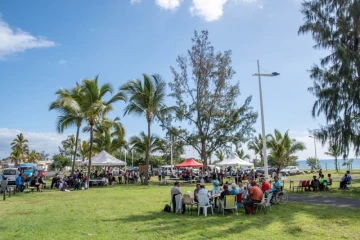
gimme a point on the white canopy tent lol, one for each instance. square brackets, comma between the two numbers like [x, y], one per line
[104, 159]
[234, 161]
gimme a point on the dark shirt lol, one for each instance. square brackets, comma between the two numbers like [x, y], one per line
[32, 183]
[223, 193]
[315, 183]
[41, 181]
[196, 191]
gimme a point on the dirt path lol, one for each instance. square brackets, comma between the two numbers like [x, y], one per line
[325, 200]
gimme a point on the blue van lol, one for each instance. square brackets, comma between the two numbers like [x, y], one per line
[29, 169]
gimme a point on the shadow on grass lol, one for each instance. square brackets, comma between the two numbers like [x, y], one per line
[217, 226]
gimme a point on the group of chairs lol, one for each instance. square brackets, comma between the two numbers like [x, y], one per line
[305, 185]
[230, 202]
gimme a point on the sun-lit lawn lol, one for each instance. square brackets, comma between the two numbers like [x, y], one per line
[135, 212]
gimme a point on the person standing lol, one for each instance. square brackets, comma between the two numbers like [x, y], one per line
[175, 190]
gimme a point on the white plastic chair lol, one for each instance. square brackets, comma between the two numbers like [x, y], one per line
[201, 204]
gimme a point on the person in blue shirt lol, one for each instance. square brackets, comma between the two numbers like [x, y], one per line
[215, 183]
[274, 189]
[205, 192]
[344, 181]
[19, 183]
[234, 191]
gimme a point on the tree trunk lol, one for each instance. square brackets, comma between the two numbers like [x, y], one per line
[203, 155]
[147, 158]
[76, 144]
[336, 165]
[89, 163]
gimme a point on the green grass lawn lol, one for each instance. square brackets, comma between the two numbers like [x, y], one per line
[135, 212]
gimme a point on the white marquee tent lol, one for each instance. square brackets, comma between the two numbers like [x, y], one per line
[234, 161]
[104, 159]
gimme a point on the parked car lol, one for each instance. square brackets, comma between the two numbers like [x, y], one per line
[42, 173]
[11, 174]
[261, 171]
[290, 170]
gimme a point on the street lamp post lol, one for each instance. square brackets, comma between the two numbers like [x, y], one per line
[132, 158]
[317, 161]
[171, 153]
[262, 116]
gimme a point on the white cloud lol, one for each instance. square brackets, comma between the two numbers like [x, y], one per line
[209, 10]
[62, 62]
[16, 40]
[135, 1]
[169, 4]
[39, 141]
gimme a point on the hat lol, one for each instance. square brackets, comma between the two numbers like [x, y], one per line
[233, 185]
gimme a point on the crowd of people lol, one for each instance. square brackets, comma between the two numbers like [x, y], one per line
[321, 183]
[250, 193]
[208, 176]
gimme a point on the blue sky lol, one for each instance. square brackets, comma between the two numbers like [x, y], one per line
[47, 45]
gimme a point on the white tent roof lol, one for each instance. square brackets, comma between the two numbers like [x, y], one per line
[104, 159]
[234, 161]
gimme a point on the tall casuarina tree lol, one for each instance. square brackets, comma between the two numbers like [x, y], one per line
[334, 26]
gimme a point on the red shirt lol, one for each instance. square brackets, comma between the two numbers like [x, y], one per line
[265, 186]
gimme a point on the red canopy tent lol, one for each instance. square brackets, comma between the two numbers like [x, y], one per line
[189, 163]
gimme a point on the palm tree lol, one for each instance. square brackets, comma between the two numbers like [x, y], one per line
[146, 98]
[220, 155]
[108, 135]
[335, 152]
[282, 148]
[94, 107]
[141, 143]
[33, 156]
[68, 104]
[241, 154]
[84, 150]
[20, 147]
[16, 156]
[256, 144]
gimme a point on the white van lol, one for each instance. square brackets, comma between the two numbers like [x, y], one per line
[167, 169]
[11, 174]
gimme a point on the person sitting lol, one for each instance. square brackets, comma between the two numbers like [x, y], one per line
[265, 187]
[19, 183]
[204, 192]
[344, 181]
[175, 190]
[222, 196]
[315, 184]
[323, 183]
[329, 180]
[275, 188]
[41, 181]
[196, 191]
[234, 191]
[255, 196]
[35, 183]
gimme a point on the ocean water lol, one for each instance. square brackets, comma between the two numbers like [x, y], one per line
[329, 164]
